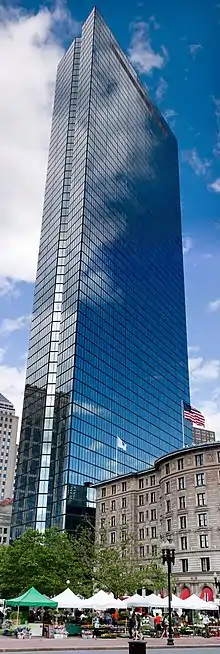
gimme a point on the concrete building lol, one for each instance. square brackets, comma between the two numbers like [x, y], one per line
[5, 520]
[178, 498]
[201, 435]
[8, 447]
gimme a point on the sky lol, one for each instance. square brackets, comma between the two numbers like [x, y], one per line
[175, 48]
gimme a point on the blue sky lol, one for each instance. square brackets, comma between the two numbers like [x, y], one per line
[176, 52]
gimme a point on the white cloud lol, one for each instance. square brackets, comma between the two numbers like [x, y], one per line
[194, 48]
[170, 113]
[187, 244]
[30, 46]
[161, 89]
[211, 410]
[12, 382]
[214, 305]
[10, 325]
[203, 371]
[200, 166]
[215, 186]
[8, 286]
[141, 53]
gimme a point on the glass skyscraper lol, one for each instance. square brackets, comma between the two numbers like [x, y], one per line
[108, 349]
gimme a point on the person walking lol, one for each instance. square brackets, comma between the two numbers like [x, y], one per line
[164, 626]
[157, 623]
[96, 626]
[131, 625]
[206, 625]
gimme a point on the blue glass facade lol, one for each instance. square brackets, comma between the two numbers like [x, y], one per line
[108, 348]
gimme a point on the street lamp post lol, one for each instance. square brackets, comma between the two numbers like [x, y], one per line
[168, 555]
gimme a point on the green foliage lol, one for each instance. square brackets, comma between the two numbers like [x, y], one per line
[48, 560]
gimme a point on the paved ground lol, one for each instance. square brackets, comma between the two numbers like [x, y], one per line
[185, 644]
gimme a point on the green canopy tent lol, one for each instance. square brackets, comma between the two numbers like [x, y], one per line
[31, 598]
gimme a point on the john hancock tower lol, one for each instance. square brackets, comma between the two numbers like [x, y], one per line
[108, 350]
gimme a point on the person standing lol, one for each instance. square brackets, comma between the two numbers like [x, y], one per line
[157, 623]
[131, 624]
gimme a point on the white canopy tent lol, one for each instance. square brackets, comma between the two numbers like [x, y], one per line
[68, 600]
[176, 602]
[197, 604]
[102, 601]
[145, 601]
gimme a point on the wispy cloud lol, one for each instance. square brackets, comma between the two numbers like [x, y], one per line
[200, 166]
[141, 52]
[161, 89]
[154, 23]
[187, 244]
[8, 287]
[214, 305]
[215, 186]
[170, 117]
[194, 48]
[204, 371]
[10, 325]
[193, 349]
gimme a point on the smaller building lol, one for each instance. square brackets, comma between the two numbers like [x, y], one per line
[8, 447]
[201, 435]
[178, 498]
[5, 520]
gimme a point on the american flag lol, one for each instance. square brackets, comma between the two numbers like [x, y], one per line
[194, 415]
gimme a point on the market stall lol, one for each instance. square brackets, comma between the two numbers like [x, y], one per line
[32, 598]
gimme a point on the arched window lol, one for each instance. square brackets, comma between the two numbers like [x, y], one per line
[185, 592]
[207, 594]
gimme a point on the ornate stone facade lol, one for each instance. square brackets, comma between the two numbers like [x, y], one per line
[179, 498]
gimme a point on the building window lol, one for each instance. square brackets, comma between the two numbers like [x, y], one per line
[141, 484]
[141, 534]
[203, 540]
[102, 538]
[123, 503]
[180, 464]
[146, 498]
[141, 551]
[141, 500]
[153, 532]
[181, 483]
[113, 505]
[103, 507]
[112, 537]
[114, 489]
[153, 514]
[123, 519]
[169, 524]
[167, 468]
[199, 460]
[168, 506]
[218, 457]
[167, 486]
[202, 519]
[124, 536]
[141, 516]
[102, 523]
[183, 522]
[200, 479]
[154, 550]
[182, 502]
[153, 480]
[184, 543]
[153, 498]
[201, 499]
[103, 492]
[205, 564]
[185, 565]
[124, 486]
[113, 521]
[147, 531]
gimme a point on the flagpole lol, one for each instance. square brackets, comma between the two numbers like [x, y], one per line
[183, 430]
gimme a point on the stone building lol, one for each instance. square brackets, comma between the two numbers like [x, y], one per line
[5, 520]
[8, 447]
[178, 498]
